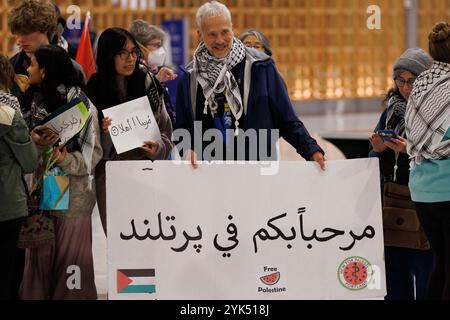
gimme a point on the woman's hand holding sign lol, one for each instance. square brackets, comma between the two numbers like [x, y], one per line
[106, 123]
[44, 136]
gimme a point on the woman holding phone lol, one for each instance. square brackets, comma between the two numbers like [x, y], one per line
[406, 266]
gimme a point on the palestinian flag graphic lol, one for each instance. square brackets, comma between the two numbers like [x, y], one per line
[136, 281]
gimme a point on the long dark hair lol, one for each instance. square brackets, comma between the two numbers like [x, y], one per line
[59, 70]
[104, 91]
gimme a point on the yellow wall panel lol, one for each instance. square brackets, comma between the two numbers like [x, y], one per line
[323, 48]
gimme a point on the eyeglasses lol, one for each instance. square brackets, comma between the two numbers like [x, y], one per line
[255, 45]
[125, 54]
[156, 44]
[401, 82]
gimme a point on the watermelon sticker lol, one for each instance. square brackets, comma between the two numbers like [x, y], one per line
[271, 279]
[355, 273]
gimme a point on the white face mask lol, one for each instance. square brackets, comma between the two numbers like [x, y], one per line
[157, 57]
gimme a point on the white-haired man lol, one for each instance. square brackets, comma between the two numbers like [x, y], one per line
[231, 88]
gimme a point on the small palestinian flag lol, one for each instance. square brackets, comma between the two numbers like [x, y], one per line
[136, 281]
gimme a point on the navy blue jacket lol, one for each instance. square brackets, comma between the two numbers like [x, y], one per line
[268, 107]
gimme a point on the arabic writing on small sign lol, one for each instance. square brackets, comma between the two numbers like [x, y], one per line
[271, 232]
[69, 125]
[133, 123]
[130, 124]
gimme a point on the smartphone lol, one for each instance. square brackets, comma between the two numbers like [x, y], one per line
[387, 135]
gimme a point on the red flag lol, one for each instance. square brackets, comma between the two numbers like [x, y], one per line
[85, 57]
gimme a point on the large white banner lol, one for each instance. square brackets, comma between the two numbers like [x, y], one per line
[228, 232]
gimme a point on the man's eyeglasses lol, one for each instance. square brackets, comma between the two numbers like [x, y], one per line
[401, 82]
[125, 54]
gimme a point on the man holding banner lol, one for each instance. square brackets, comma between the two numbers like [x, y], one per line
[236, 91]
[228, 232]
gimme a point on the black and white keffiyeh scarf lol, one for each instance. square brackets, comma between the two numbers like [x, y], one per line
[428, 115]
[7, 99]
[395, 120]
[154, 91]
[215, 77]
[395, 117]
[86, 137]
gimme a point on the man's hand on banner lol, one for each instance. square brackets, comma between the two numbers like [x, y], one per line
[320, 159]
[150, 147]
[191, 156]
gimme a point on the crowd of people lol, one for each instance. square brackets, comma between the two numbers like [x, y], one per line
[231, 86]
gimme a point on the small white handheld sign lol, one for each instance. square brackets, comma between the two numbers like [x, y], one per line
[133, 123]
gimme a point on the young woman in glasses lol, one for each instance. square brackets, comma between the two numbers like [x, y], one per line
[121, 78]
